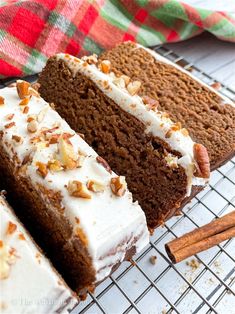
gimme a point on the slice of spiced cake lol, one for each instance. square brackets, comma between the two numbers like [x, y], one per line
[79, 211]
[160, 161]
[208, 116]
[28, 282]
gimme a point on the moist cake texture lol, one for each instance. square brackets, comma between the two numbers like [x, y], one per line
[28, 282]
[155, 154]
[208, 116]
[77, 208]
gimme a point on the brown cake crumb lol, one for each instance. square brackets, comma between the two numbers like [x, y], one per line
[194, 264]
[153, 259]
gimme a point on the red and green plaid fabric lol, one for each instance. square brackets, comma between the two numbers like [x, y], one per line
[31, 31]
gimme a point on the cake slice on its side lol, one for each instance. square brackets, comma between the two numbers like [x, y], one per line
[160, 161]
[208, 116]
[28, 282]
[79, 211]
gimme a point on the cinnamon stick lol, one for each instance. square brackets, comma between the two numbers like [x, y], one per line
[202, 238]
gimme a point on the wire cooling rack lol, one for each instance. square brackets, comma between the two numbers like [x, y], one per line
[151, 284]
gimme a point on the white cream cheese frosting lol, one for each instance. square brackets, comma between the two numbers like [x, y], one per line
[28, 282]
[111, 224]
[157, 123]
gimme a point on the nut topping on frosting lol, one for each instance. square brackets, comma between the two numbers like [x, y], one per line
[42, 169]
[133, 87]
[54, 165]
[150, 103]
[25, 110]
[78, 189]
[125, 78]
[202, 159]
[17, 139]
[9, 125]
[32, 126]
[67, 155]
[95, 186]
[118, 186]
[105, 66]
[90, 59]
[172, 161]
[7, 258]
[22, 88]
[24, 102]
[9, 116]
[120, 82]
[104, 163]
[176, 126]
[11, 228]
[184, 132]
[1, 101]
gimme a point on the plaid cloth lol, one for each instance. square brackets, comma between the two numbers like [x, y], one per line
[31, 31]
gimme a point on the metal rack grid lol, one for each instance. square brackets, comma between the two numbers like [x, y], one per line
[202, 284]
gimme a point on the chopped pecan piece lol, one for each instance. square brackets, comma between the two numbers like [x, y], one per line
[54, 165]
[67, 155]
[17, 139]
[9, 116]
[118, 186]
[9, 125]
[216, 85]
[2, 100]
[105, 66]
[202, 159]
[24, 102]
[22, 89]
[95, 186]
[42, 169]
[7, 258]
[150, 103]
[104, 163]
[133, 87]
[32, 126]
[78, 189]
[11, 228]
[120, 82]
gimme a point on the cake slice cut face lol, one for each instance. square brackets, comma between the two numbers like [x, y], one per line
[78, 209]
[28, 282]
[159, 159]
[208, 116]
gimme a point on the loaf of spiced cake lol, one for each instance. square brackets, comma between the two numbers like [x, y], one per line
[159, 159]
[208, 116]
[28, 282]
[76, 207]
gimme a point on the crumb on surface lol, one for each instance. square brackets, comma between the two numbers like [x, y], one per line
[194, 264]
[153, 259]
